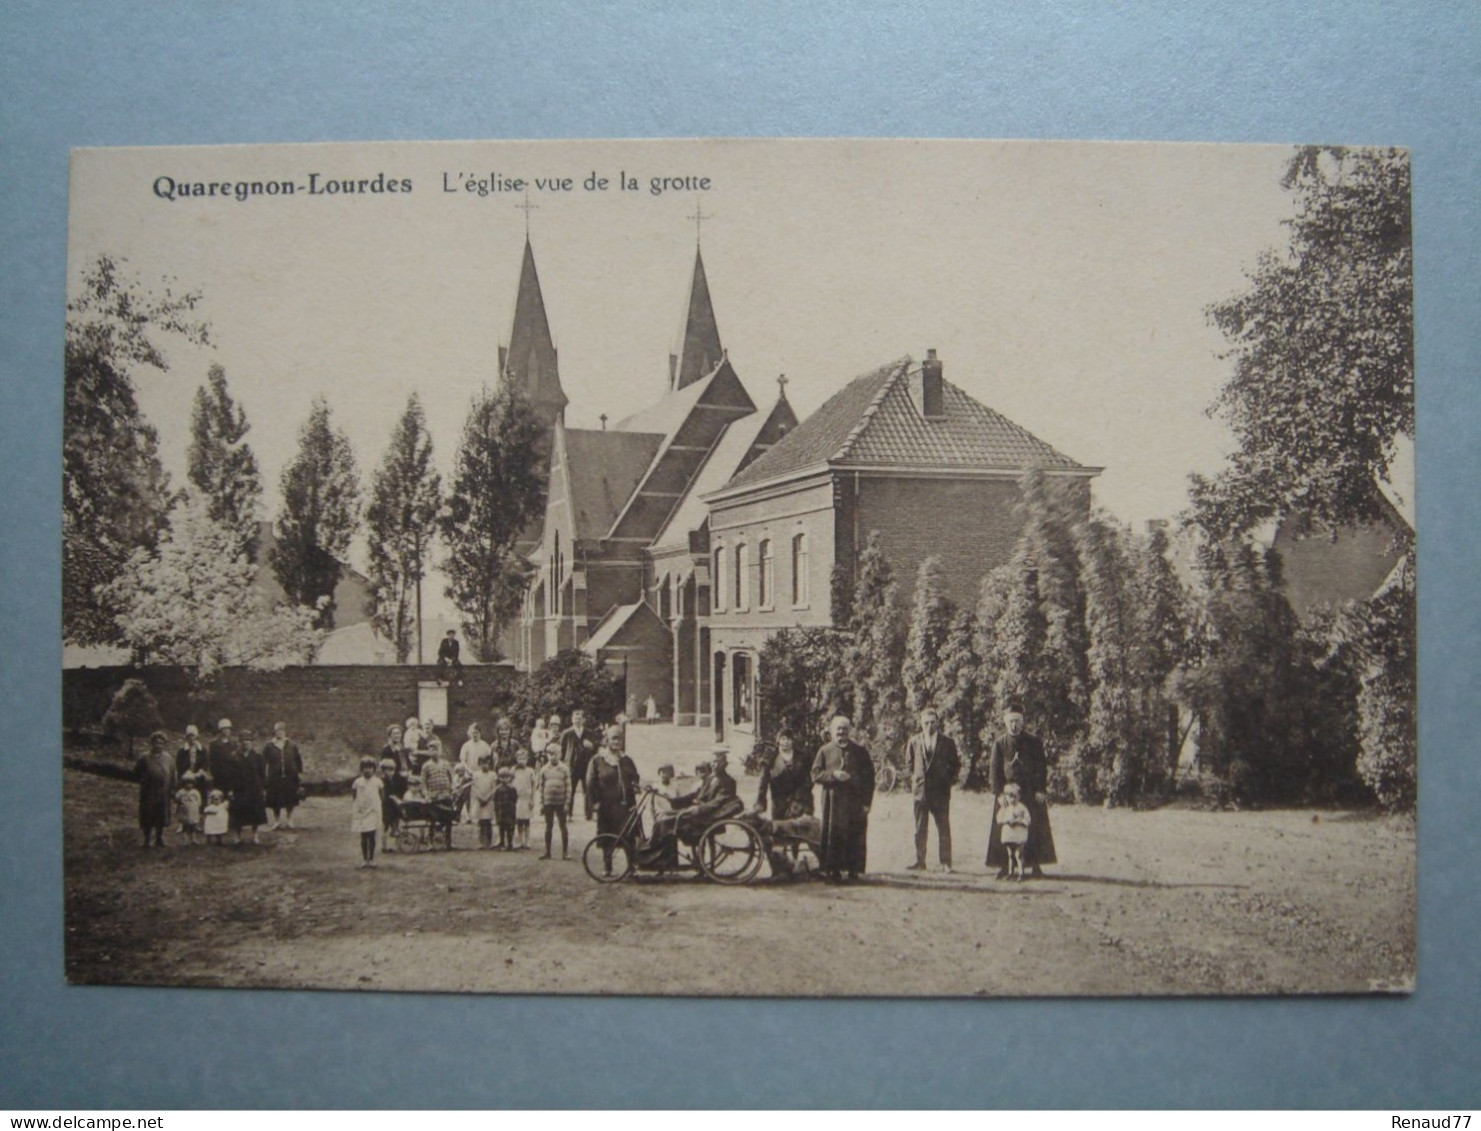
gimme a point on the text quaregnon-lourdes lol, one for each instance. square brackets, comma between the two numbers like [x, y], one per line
[315, 184]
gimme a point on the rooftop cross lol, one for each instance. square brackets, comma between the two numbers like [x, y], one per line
[781, 384]
[699, 217]
[604, 422]
[527, 208]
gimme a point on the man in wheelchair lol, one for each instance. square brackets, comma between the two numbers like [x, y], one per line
[691, 813]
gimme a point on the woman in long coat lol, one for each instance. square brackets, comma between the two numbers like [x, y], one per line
[241, 774]
[1018, 756]
[846, 772]
[155, 773]
[787, 782]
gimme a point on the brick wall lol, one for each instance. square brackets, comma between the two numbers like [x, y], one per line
[348, 706]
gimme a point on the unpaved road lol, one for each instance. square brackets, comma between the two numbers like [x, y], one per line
[1172, 901]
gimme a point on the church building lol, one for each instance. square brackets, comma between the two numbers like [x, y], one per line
[676, 541]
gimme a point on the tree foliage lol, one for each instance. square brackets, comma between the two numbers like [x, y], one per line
[220, 463]
[498, 489]
[321, 510]
[1322, 349]
[874, 655]
[931, 618]
[796, 675]
[964, 695]
[568, 681]
[405, 496]
[191, 602]
[132, 713]
[115, 493]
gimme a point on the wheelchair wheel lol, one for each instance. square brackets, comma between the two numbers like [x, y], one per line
[594, 859]
[884, 778]
[731, 852]
[409, 840]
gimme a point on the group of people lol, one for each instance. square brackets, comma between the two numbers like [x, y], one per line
[1020, 840]
[210, 792]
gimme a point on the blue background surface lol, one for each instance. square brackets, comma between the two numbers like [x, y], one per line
[152, 73]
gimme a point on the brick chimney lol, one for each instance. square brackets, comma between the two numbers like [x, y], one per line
[932, 394]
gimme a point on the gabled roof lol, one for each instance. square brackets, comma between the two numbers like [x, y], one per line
[665, 415]
[699, 338]
[874, 422]
[620, 622]
[604, 468]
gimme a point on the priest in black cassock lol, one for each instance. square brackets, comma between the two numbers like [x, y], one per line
[1018, 756]
[846, 772]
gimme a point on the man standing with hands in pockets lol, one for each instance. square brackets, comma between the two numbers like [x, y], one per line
[933, 764]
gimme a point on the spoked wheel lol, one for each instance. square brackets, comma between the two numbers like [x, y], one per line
[409, 840]
[731, 852]
[595, 858]
[884, 779]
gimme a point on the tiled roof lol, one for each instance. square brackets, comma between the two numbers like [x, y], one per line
[822, 436]
[667, 414]
[604, 470]
[873, 421]
[725, 457]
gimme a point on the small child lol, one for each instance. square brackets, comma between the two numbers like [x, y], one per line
[1014, 820]
[367, 809]
[216, 817]
[188, 808]
[393, 789]
[524, 790]
[485, 783]
[506, 803]
[553, 788]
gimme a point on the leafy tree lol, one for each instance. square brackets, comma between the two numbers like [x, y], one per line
[930, 624]
[220, 463]
[1323, 350]
[192, 602]
[133, 713]
[498, 488]
[796, 674]
[1160, 642]
[321, 509]
[568, 681]
[115, 493]
[875, 653]
[964, 696]
[405, 496]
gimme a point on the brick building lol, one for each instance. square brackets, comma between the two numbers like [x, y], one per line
[900, 451]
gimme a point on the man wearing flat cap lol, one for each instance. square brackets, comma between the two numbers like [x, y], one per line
[1018, 758]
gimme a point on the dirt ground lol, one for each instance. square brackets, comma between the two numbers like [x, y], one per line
[1170, 901]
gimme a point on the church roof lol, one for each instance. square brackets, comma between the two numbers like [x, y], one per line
[873, 421]
[724, 460]
[529, 361]
[699, 338]
[609, 630]
[604, 469]
[666, 414]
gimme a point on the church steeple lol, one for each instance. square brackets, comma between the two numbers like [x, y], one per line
[529, 361]
[699, 344]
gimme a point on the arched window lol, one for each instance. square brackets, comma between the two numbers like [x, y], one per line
[741, 564]
[799, 569]
[765, 582]
[717, 584]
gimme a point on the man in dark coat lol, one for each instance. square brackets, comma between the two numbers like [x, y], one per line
[155, 773]
[578, 743]
[695, 811]
[846, 772]
[284, 765]
[449, 663]
[932, 762]
[1018, 756]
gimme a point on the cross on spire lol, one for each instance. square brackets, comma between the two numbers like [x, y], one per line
[781, 384]
[604, 422]
[527, 208]
[699, 217]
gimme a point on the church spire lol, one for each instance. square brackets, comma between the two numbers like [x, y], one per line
[699, 344]
[529, 361]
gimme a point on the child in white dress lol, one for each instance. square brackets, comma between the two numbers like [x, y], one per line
[367, 809]
[1014, 819]
[524, 791]
[216, 817]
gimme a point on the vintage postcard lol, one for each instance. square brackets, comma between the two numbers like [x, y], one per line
[741, 567]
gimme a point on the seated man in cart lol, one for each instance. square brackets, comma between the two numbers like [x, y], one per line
[691, 813]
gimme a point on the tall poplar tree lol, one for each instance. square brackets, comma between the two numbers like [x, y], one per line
[220, 463]
[876, 651]
[321, 510]
[498, 488]
[405, 496]
[930, 624]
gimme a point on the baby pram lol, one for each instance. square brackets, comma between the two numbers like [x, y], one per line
[424, 824]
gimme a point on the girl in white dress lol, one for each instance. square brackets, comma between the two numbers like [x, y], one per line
[366, 810]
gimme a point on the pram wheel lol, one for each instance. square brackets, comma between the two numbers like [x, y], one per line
[410, 840]
[595, 858]
[731, 852]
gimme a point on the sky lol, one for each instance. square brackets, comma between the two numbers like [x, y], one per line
[1063, 284]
